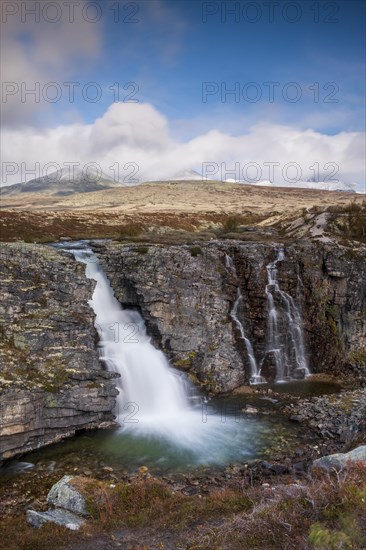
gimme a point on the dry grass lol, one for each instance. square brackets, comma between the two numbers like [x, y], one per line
[326, 513]
[323, 513]
[349, 221]
[188, 207]
[151, 502]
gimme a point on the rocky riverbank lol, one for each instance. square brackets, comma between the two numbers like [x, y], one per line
[338, 419]
[213, 511]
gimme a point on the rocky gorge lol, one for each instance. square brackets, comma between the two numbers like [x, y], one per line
[52, 383]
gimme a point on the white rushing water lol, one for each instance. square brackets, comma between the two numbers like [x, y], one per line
[154, 398]
[255, 377]
[285, 339]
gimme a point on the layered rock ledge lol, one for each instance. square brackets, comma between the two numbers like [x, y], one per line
[51, 381]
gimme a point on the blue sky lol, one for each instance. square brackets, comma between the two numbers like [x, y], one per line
[298, 67]
[171, 54]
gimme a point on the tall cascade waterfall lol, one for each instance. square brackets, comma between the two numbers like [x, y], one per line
[285, 342]
[126, 348]
[255, 377]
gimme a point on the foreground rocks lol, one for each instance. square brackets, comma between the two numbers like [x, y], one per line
[338, 418]
[64, 495]
[70, 505]
[51, 381]
[60, 517]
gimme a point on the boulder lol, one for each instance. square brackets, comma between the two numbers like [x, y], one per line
[340, 460]
[64, 495]
[61, 517]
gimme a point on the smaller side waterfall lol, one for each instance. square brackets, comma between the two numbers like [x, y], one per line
[255, 377]
[285, 347]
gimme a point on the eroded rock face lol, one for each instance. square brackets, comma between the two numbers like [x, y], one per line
[185, 301]
[186, 296]
[51, 381]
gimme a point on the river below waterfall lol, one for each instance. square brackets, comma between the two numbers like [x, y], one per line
[261, 436]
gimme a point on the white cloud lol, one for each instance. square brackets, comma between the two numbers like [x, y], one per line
[138, 133]
[130, 125]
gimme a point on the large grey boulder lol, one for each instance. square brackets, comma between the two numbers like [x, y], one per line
[339, 460]
[61, 517]
[64, 495]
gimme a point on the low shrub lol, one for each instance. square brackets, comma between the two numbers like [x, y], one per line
[231, 224]
[130, 230]
[195, 251]
[349, 220]
[141, 249]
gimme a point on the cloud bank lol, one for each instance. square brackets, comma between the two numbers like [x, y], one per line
[138, 135]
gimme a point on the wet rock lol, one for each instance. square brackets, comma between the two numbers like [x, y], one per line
[268, 368]
[51, 466]
[186, 303]
[64, 495]
[189, 491]
[250, 410]
[300, 467]
[60, 517]
[340, 418]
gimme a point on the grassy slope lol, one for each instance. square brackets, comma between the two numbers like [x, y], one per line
[154, 209]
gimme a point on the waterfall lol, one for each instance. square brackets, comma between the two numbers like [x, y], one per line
[255, 377]
[154, 401]
[126, 348]
[285, 341]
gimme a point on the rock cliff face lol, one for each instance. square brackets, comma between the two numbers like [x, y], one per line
[186, 293]
[51, 381]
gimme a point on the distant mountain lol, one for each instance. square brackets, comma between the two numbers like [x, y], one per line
[324, 185]
[65, 182]
[184, 175]
[308, 184]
